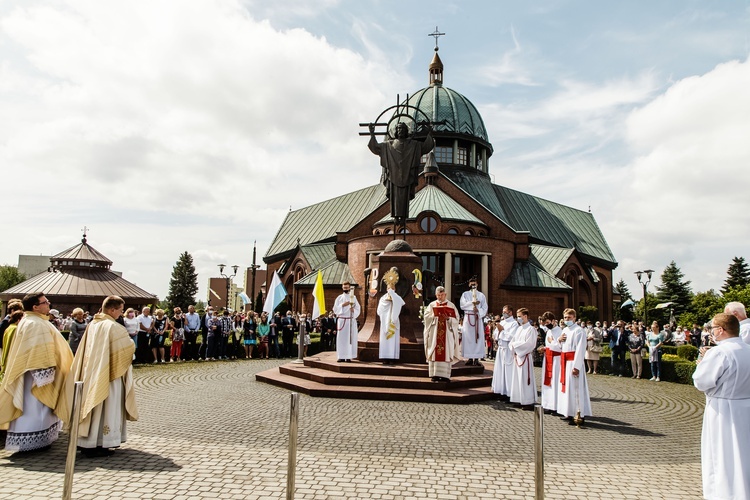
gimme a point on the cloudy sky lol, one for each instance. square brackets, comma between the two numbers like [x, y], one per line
[194, 125]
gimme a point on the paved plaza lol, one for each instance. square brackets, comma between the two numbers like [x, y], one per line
[209, 430]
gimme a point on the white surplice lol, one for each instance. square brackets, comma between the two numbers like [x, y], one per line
[574, 393]
[550, 392]
[473, 345]
[346, 325]
[389, 308]
[38, 426]
[745, 330]
[523, 389]
[724, 376]
[502, 375]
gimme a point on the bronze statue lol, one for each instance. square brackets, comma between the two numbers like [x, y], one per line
[400, 159]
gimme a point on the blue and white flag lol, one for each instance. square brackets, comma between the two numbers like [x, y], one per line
[276, 293]
[245, 299]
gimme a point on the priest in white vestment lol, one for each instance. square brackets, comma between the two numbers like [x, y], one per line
[723, 374]
[38, 361]
[502, 375]
[550, 363]
[441, 336]
[347, 310]
[573, 392]
[103, 363]
[523, 387]
[389, 309]
[474, 305]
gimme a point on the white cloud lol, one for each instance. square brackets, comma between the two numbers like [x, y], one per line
[687, 195]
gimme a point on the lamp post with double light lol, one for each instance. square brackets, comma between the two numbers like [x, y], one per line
[228, 278]
[644, 282]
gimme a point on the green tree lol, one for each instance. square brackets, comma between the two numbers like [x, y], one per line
[588, 313]
[736, 294]
[184, 283]
[258, 304]
[738, 274]
[703, 307]
[10, 277]
[675, 289]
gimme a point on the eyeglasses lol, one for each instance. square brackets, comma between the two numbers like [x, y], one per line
[716, 327]
[45, 302]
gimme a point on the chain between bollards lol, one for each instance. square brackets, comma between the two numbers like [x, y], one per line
[539, 450]
[291, 466]
[70, 463]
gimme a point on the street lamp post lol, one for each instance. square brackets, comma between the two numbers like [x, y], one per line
[644, 284]
[228, 278]
[254, 267]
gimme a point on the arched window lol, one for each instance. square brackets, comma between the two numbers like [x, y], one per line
[469, 232]
[453, 230]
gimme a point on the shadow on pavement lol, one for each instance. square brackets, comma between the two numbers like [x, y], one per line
[125, 459]
[618, 426]
[607, 400]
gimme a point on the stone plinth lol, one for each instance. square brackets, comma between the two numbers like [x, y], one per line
[397, 254]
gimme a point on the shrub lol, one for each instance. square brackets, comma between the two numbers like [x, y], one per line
[670, 357]
[669, 349]
[684, 371]
[688, 352]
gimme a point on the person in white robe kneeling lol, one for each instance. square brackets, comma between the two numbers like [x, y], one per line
[347, 311]
[441, 336]
[37, 364]
[573, 393]
[502, 375]
[551, 363]
[523, 388]
[723, 374]
[389, 308]
[103, 362]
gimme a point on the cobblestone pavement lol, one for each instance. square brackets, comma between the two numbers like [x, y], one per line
[209, 430]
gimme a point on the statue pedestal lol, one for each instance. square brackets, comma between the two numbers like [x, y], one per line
[397, 254]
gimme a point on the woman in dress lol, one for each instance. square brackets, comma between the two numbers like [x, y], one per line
[593, 348]
[655, 339]
[159, 335]
[262, 330]
[249, 338]
[178, 336]
[77, 327]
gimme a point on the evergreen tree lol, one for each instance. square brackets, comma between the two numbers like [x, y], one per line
[622, 288]
[738, 274]
[10, 277]
[183, 285]
[704, 306]
[258, 305]
[675, 289]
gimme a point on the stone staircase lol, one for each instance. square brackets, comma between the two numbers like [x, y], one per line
[323, 376]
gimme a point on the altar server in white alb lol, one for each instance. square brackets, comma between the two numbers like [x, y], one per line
[573, 393]
[389, 308]
[551, 363]
[523, 388]
[502, 376]
[723, 374]
[347, 311]
[474, 306]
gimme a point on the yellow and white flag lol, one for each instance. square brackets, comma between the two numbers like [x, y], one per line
[319, 306]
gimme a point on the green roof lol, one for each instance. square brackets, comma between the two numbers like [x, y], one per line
[551, 259]
[323, 220]
[529, 275]
[442, 104]
[334, 273]
[434, 199]
[319, 255]
[546, 221]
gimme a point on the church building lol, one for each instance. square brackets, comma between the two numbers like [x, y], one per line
[525, 251]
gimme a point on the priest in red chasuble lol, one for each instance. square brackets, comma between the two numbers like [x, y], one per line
[441, 336]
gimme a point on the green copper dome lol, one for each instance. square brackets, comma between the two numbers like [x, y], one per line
[441, 103]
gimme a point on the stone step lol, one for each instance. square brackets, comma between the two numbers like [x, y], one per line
[392, 380]
[442, 393]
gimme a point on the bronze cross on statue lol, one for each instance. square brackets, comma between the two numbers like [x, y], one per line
[437, 35]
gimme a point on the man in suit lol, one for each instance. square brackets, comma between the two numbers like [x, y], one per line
[328, 331]
[289, 326]
[618, 345]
